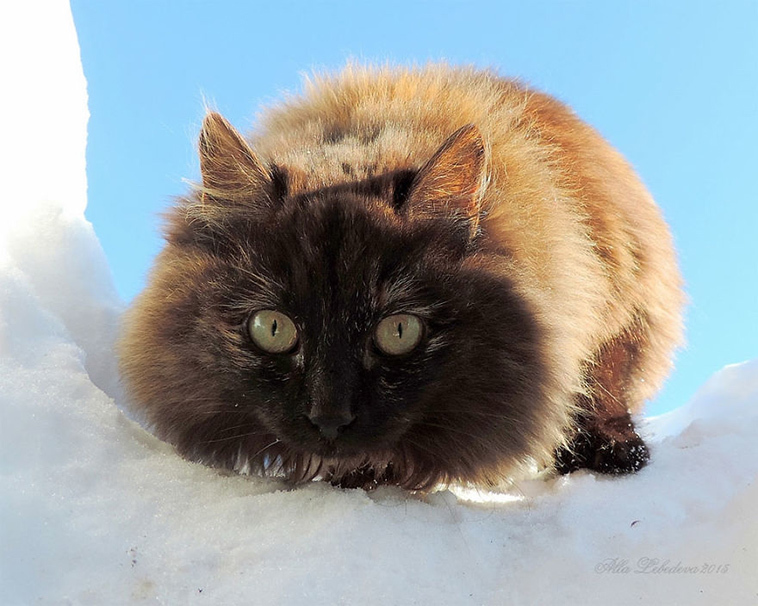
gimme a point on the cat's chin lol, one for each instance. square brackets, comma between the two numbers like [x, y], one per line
[340, 451]
[343, 449]
[361, 444]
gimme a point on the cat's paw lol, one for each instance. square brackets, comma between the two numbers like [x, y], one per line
[600, 452]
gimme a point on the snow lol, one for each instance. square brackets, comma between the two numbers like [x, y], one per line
[94, 510]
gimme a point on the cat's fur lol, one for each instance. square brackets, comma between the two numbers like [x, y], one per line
[539, 263]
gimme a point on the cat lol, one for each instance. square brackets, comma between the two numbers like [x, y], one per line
[407, 276]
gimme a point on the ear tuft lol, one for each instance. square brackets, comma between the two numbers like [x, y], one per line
[230, 170]
[452, 182]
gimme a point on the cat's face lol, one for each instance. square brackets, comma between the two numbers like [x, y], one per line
[319, 332]
[330, 275]
[332, 270]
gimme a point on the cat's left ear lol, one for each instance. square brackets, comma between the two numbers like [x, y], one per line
[451, 184]
[231, 171]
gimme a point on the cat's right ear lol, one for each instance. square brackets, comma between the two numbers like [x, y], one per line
[232, 173]
[236, 187]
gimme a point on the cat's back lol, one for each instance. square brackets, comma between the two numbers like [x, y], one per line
[366, 121]
[584, 233]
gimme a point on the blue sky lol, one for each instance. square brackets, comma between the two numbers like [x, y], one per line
[672, 84]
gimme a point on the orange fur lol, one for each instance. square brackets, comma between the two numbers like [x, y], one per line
[587, 248]
[591, 249]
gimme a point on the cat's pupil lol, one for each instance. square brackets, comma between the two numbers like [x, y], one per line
[273, 328]
[400, 330]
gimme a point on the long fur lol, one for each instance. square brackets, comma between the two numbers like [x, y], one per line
[563, 234]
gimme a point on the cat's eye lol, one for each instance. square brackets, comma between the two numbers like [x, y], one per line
[272, 331]
[398, 334]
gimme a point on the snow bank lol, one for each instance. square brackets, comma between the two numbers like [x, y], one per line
[97, 511]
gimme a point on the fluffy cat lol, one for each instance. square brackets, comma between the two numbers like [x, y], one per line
[407, 276]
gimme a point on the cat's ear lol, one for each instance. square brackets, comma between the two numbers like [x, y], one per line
[451, 183]
[230, 169]
[235, 185]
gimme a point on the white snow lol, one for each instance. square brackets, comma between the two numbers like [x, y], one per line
[97, 511]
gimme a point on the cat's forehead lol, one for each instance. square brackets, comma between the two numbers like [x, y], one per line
[339, 218]
[343, 234]
[344, 248]
[390, 188]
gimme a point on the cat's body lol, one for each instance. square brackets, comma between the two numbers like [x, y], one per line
[531, 263]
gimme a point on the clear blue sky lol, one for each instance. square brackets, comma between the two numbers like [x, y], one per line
[672, 84]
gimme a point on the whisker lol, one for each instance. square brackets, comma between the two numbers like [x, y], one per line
[200, 399]
[265, 448]
[221, 411]
[237, 437]
[233, 427]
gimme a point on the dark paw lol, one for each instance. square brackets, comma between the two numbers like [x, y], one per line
[600, 452]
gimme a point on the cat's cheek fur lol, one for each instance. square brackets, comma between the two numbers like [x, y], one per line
[496, 412]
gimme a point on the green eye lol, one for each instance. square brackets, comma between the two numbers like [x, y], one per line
[398, 334]
[272, 331]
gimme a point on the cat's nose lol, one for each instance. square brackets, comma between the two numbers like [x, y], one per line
[331, 425]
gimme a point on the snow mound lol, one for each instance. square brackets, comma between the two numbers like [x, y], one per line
[95, 510]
